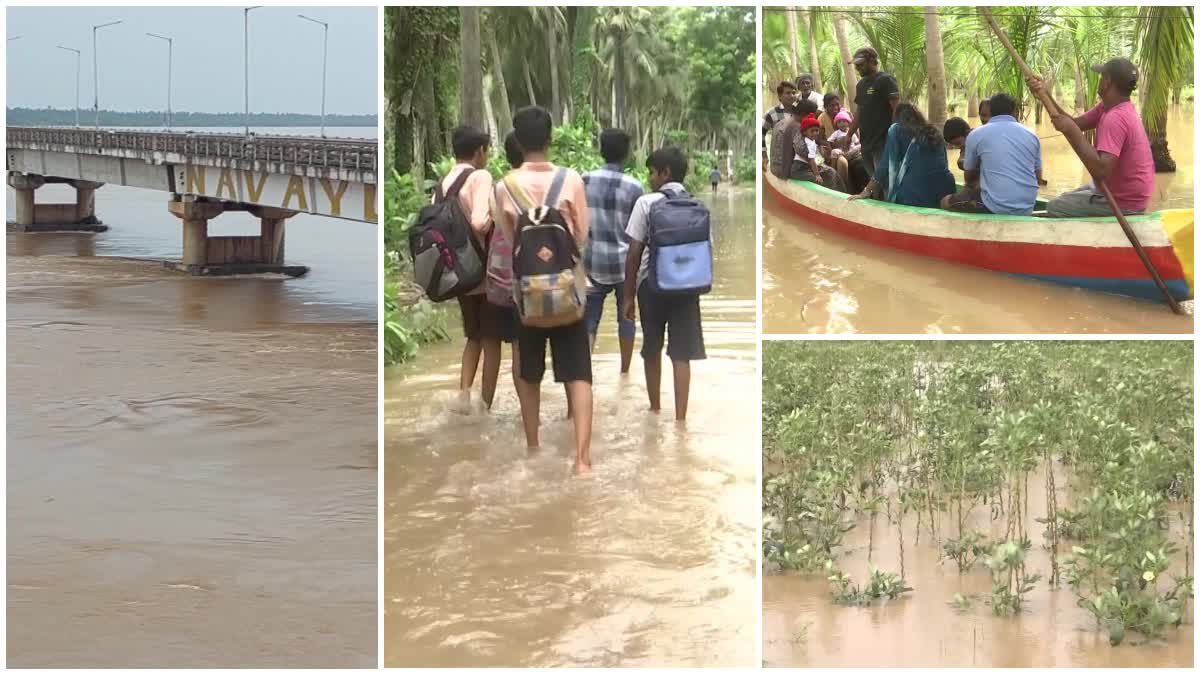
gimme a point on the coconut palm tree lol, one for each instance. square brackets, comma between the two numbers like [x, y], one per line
[622, 32]
[793, 43]
[813, 57]
[1164, 38]
[496, 70]
[899, 37]
[849, 80]
[471, 90]
[937, 68]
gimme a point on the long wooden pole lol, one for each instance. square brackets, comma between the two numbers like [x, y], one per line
[1051, 106]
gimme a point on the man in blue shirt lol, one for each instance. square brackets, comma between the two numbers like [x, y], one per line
[611, 194]
[1006, 158]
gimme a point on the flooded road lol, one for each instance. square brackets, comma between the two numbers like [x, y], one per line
[498, 557]
[815, 281]
[802, 627]
[191, 461]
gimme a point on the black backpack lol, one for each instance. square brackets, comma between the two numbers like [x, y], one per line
[448, 260]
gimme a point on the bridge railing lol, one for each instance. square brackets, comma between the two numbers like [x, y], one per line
[338, 153]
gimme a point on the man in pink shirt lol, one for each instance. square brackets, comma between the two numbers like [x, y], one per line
[1121, 157]
[484, 324]
[570, 346]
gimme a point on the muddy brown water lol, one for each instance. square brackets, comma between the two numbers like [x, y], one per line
[498, 557]
[815, 281]
[192, 467]
[802, 627]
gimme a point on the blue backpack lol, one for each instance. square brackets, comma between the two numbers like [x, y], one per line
[679, 239]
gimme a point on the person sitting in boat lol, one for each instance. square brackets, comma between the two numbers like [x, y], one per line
[833, 105]
[809, 163]
[805, 84]
[1121, 157]
[782, 139]
[786, 93]
[1001, 161]
[913, 168]
[848, 162]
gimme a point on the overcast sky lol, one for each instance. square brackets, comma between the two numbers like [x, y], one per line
[285, 58]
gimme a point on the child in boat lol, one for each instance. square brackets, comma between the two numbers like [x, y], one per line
[849, 163]
[809, 158]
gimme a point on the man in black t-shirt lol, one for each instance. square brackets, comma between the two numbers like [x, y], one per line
[876, 97]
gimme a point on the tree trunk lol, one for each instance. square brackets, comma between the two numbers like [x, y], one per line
[815, 64]
[528, 81]
[973, 102]
[1080, 89]
[936, 68]
[1163, 162]
[793, 41]
[552, 53]
[471, 112]
[399, 103]
[489, 113]
[839, 29]
[581, 59]
[619, 83]
[504, 114]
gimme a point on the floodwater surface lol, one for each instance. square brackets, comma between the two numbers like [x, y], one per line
[496, 556]
[802, 627]
[815, 281]
[191, 462]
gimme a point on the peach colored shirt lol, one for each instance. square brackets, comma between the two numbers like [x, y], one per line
[475, 197]
[535, 178]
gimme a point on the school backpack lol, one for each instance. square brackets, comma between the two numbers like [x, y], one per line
[545, 283]
[679, 239]
[447, 258]
[498, 282]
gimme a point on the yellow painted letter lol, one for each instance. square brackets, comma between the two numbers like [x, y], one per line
[295, 187]
[254, 193]
[335, 198]
[195, 177]
[225, 182]
[369, 203]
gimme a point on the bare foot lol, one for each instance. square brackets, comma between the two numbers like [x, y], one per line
[462, 404]
[582, 469]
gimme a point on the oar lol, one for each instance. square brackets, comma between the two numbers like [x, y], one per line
[1051, 106]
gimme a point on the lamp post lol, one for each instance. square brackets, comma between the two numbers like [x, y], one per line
[77, 53]
[96, 71]
[324, 65]
[170, 49]
[246, 60]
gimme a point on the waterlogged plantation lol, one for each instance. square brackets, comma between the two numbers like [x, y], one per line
[978, 504]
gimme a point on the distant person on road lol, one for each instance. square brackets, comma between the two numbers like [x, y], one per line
[714, 177]
[1003, 159]
[483, 323]
[913, 169]
[1121, 157]
[611, 194]
[877, 96]
[570, 351]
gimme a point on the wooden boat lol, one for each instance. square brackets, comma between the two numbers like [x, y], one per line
[1090, 253]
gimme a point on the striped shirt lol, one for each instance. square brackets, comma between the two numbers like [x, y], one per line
[610, 198]
[773, 117]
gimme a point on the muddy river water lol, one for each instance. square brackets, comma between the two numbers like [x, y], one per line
[815, 281]
[498, 557]
[191, 462]
[802, 627]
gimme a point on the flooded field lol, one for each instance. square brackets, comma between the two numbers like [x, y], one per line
[960, 618]
[815, 281]
[191, 461]
[498, 557]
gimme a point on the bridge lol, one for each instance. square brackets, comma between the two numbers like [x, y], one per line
[271, 177]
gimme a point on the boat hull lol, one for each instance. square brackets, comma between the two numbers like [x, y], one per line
[1090, 253]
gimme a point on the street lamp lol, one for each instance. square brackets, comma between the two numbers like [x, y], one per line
[246, 60]
[324, 65]
[170, 48]
[77, 53]
[96, 71]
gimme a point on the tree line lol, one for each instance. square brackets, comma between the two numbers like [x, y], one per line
[36, 117]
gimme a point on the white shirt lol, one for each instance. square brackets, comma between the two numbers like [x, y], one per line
[639, 221]
[813, 96]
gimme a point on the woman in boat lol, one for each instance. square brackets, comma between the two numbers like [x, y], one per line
[914, 169]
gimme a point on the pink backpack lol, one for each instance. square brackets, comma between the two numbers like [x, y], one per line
[498, 280]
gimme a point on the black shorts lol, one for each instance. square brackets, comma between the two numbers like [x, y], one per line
[484, 321]
[570, 352]
[678, 314]
[968, 200]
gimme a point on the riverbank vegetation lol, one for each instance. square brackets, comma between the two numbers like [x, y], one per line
[666, 75]
[948, 58]
[958, 445]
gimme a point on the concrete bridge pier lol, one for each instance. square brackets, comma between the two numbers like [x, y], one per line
[79, 216]
[226, 255]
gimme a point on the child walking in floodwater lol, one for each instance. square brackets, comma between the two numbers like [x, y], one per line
[570, 350]
[660, 312]
[483, 323]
